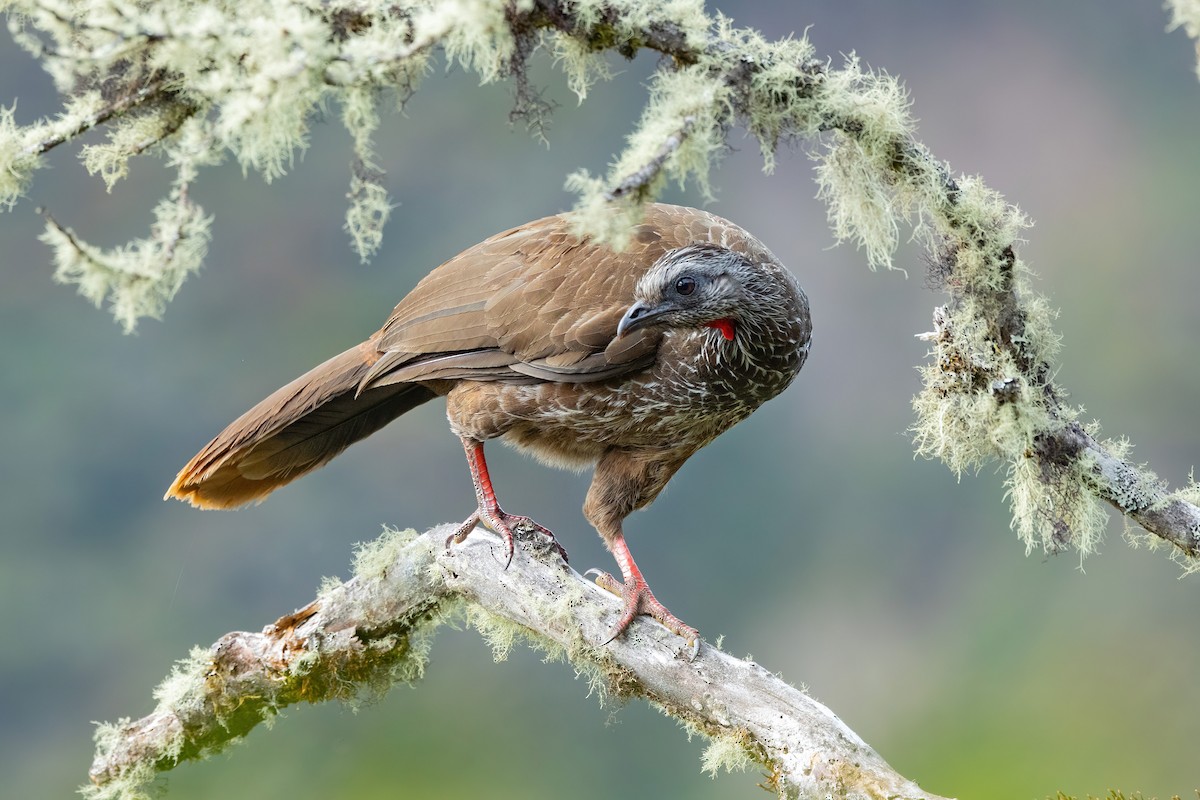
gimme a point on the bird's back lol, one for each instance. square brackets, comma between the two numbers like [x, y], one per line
[541, 301]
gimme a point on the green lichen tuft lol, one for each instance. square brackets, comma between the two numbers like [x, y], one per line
[977, 404]
[781, 100]
[621, 25]
[370, 206]
[727, 752]
[184, 689]
[855, 173]
[679, 137]
[1191, 492]
[581, 65]
[474, 33]
[499, 633]
[17, 163]
[137, 279]
[1053, 507]
[135, 783]
[373, 559]
[502, 635]
[131, 136]
[1186, 14]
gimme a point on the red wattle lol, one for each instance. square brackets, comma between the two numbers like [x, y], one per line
[725, 326]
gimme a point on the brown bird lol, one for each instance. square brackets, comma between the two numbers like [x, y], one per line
[629, 361]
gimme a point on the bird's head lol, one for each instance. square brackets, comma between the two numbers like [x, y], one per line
[691, 287]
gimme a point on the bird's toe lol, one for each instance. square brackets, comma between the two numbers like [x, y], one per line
[606, 582]
[640, 601]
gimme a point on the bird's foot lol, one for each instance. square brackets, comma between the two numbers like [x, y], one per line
[502, 523]
[640, 600]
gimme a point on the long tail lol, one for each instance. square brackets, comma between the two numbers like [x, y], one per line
[294, 431]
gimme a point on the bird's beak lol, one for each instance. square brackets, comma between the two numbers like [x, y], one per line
[638, 316]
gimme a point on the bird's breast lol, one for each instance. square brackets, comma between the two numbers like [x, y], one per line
[696, 389]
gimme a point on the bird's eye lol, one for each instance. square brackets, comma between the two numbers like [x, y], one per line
[685, 285]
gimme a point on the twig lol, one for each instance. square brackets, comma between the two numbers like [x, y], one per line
[102, 115]
[639, 181]
[359, 636]
[1122, 484]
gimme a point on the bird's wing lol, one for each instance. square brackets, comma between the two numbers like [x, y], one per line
[533, 303]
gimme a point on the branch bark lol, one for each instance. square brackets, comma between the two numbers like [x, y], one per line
[1122, 485]
[365, 634]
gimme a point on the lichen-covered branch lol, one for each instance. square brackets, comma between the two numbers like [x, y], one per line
[1173, 517]
[246, 79]
[640, 180]
[360, 637]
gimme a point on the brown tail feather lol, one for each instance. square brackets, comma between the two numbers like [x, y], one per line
[297, 429]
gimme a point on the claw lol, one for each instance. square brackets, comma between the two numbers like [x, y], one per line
[607, 582]
[639, 600]
[502, 524]
[496, 523]
[489, 514]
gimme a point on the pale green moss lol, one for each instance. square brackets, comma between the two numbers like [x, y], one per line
[373, 559]
[778, 104]
[128, 137]
[134, 783]
[686, 98]
[1191, 492]
[982, 229]
[502, 635]
[1052, 506]
[184, 689]
[725, 752]
[370, 206]
[390, 660]
[499, 633]
[139, 278]
[855, 174]
[1186, 14]
[16, 162]
[330, 583]
[474, 33]
[382, 52]
[630, 19]
[682, 121]
[581, 65]
[962, 417]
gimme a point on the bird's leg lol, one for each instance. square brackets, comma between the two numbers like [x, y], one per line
[489, 514]
[621, 484]
[638, 597]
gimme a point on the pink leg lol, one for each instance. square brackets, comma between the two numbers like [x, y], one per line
[489, 514]
[638, 597]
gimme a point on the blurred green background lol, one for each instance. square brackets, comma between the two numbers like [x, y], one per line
[808, 536]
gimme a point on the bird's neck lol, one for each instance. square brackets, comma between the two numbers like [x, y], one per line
[766, 348]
